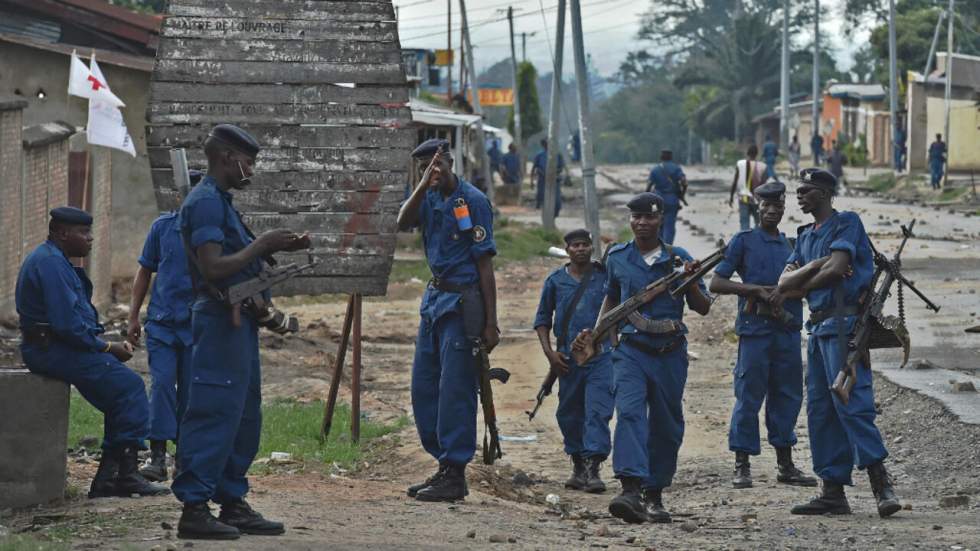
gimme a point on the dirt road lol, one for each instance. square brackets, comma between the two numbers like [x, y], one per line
[934, 456]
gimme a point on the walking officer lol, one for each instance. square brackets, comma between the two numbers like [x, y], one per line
[62, 340]
[219, 433]
[769, 365]
[570, 302]
[667, 179]
[832, 265]
[649, 364]
[458, 311]
[168, 331]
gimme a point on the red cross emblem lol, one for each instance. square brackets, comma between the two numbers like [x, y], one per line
[95, 83]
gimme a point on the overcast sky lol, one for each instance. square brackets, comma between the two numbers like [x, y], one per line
[610, 28]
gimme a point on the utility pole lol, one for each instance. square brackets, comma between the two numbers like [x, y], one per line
[585, 128]
[784, 83]
[949, 85]
[932, 48]
[524, 47]
[815, 111]
[477, 109]
[449, 48]
[554, 121]
[893, 83]
[518, 136]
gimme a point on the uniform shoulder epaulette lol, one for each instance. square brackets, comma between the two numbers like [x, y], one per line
[616, 247]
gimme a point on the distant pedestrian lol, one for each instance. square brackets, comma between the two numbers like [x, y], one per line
[749, 174]
[667, 180]
[510, 173]
[937, 158]
[769, 153]
[900, 150]
[494, 155]
[836, 163]
[538, 174]
[794, 156]
[816, 146]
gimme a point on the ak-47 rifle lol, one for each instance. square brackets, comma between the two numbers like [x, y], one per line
[491, 436]
[615, 316]
[545, 390]
[873, 329]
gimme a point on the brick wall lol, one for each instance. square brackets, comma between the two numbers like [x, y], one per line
[45, 184]
[99, 263]
[11, 117]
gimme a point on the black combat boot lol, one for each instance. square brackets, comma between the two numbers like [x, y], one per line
[593, 484]
[156, 468]
[629, 505]
[130, 481]
[580, 473]
[743, 471]
[197, 523]
[881, 485]
[413, 490]
[831, 501]
[786, 471]
[239, 514]
[450, 487]
[654, 498]
[104, 483]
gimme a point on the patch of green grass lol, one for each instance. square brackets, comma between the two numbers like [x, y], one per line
[26, 543]
[625, 234]
[404, 270]
[520, 242]
[287, 426]
[881, 183]
[951, 193]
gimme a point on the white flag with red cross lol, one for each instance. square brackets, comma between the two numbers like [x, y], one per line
[83, 83]
[106, 125]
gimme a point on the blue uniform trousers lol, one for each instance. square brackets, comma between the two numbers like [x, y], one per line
[669, 228]
[771, 169]
[747, 214]
[170, 366]
[769, 368]
[444, 390]
[539, 198]
[219, 433]
[585, 406]
[841, 436]
[111, 387]
[649, 413]
[936, 173]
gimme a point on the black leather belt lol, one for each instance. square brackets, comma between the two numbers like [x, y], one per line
[36, 335]
[653, 350]
[817, 317]
[441, 285]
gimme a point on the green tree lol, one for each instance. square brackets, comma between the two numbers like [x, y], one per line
[527, 93]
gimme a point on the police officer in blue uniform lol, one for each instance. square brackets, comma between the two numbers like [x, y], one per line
[168, 331]
[769, 365]
[667, 179]
[61, 339]
[937, 160]
[539, 168]
[832, 265]
[219, 433]
[649, 364]
[769, 153]
[570, 302]
[458, 311]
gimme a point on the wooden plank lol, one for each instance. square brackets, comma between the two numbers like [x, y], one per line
[341, 265]
[266, 113]
[276, 93]
[275, 136]
[278, 29]
[247, 72]
[274, 160]
[283, 51]
[370, 285]
[290, 9]
[277, 201]
[337, 180]
[325, 222]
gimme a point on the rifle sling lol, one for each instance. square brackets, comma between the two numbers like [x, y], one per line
[566, 319]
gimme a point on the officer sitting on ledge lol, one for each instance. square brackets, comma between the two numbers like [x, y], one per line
[61, 339]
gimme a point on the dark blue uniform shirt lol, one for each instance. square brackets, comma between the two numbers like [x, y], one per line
[50, 290]
[843, 231]
[759, 259]
[665, 180]
[512, 165]
[936, 152]
[450, 252]
[173, 293]
[556, 297]
[541, 163]
[769, 151]
[627, 274]
[207, 216]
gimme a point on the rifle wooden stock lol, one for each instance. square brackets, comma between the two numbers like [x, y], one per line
[491, 437]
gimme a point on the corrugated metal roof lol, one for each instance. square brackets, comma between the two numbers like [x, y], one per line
[34, 28]
[140, 63]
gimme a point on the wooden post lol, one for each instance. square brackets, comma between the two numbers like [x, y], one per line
[355, 373]
[338, 370]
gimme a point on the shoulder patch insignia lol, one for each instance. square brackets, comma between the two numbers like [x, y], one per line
[479, 234]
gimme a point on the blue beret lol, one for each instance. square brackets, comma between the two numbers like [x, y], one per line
[818, 177]
[647, 202]
[576, 235]
[771, 191]
[236, 138]
[71, 215]
[428, 148]
[195, 176]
